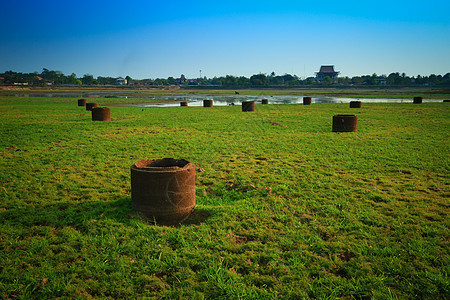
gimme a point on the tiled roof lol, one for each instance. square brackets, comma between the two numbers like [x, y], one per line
[327, 69]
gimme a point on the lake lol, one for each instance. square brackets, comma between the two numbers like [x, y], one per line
[224, 100]
[174, 99]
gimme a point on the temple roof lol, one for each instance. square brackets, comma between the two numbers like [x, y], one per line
[327, 69]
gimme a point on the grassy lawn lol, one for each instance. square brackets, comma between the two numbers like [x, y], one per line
[285, 207]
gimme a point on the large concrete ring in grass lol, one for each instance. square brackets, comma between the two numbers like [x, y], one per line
[248, 105]
[355, 104]
[417, 100]
[344, 123]
[207, 103]
[264, 101]
[184, 103]
[82, 102]
[163, 190]
[91, 106]
[307, 100]
[101, 114]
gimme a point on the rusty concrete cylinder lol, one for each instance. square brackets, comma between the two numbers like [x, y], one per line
[101, 114]
[91, 106]
[207, 103]
[417, 100]
[355, 104]
[307, 100]
[248, 105]
[344, 123]
[264, 101]
[82, 102]
[163, 190]
[184, 103]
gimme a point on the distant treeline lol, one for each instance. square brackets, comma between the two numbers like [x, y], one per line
[49, 77]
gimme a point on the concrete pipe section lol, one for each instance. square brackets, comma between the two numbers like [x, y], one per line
[248, 105]
[82, 102]
[417, 100]
[207, 103]
[355, 104]
[163, 190]
[91, 106]
[101, 114]
[307, 100]
[344, 123]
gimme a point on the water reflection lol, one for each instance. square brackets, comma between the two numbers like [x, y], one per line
[224, 100]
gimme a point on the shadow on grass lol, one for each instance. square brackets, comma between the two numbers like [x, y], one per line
[198, 216]
[81, 215]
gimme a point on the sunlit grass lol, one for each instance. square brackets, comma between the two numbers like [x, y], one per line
[285, 207]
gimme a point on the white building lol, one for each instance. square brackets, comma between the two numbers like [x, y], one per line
[121, 81]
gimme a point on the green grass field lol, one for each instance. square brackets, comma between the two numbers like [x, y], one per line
[285, 207]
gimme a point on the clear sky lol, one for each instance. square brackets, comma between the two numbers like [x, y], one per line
[158, 39]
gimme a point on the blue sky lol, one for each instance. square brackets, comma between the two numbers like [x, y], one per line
[150, 39]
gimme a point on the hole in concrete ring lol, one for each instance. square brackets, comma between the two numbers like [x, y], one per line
[307, 100]
[184, 103]
[264, 101]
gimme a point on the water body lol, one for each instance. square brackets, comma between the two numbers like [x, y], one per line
[173, 100]
[224, 100]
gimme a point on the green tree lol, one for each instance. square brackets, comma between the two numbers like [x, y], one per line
[230, 80]
[259, 80]
[327, 81]
[160, 81]
[88, 79]
[72, 79]
[433, 79]
[310, 80]
[55, 77]
[276, 81]
[394, 79]
[344, 80]
[243, 81]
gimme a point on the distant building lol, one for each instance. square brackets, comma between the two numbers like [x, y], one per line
[121, 81]
[327, 71]
[181, 80]
[381, 80]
